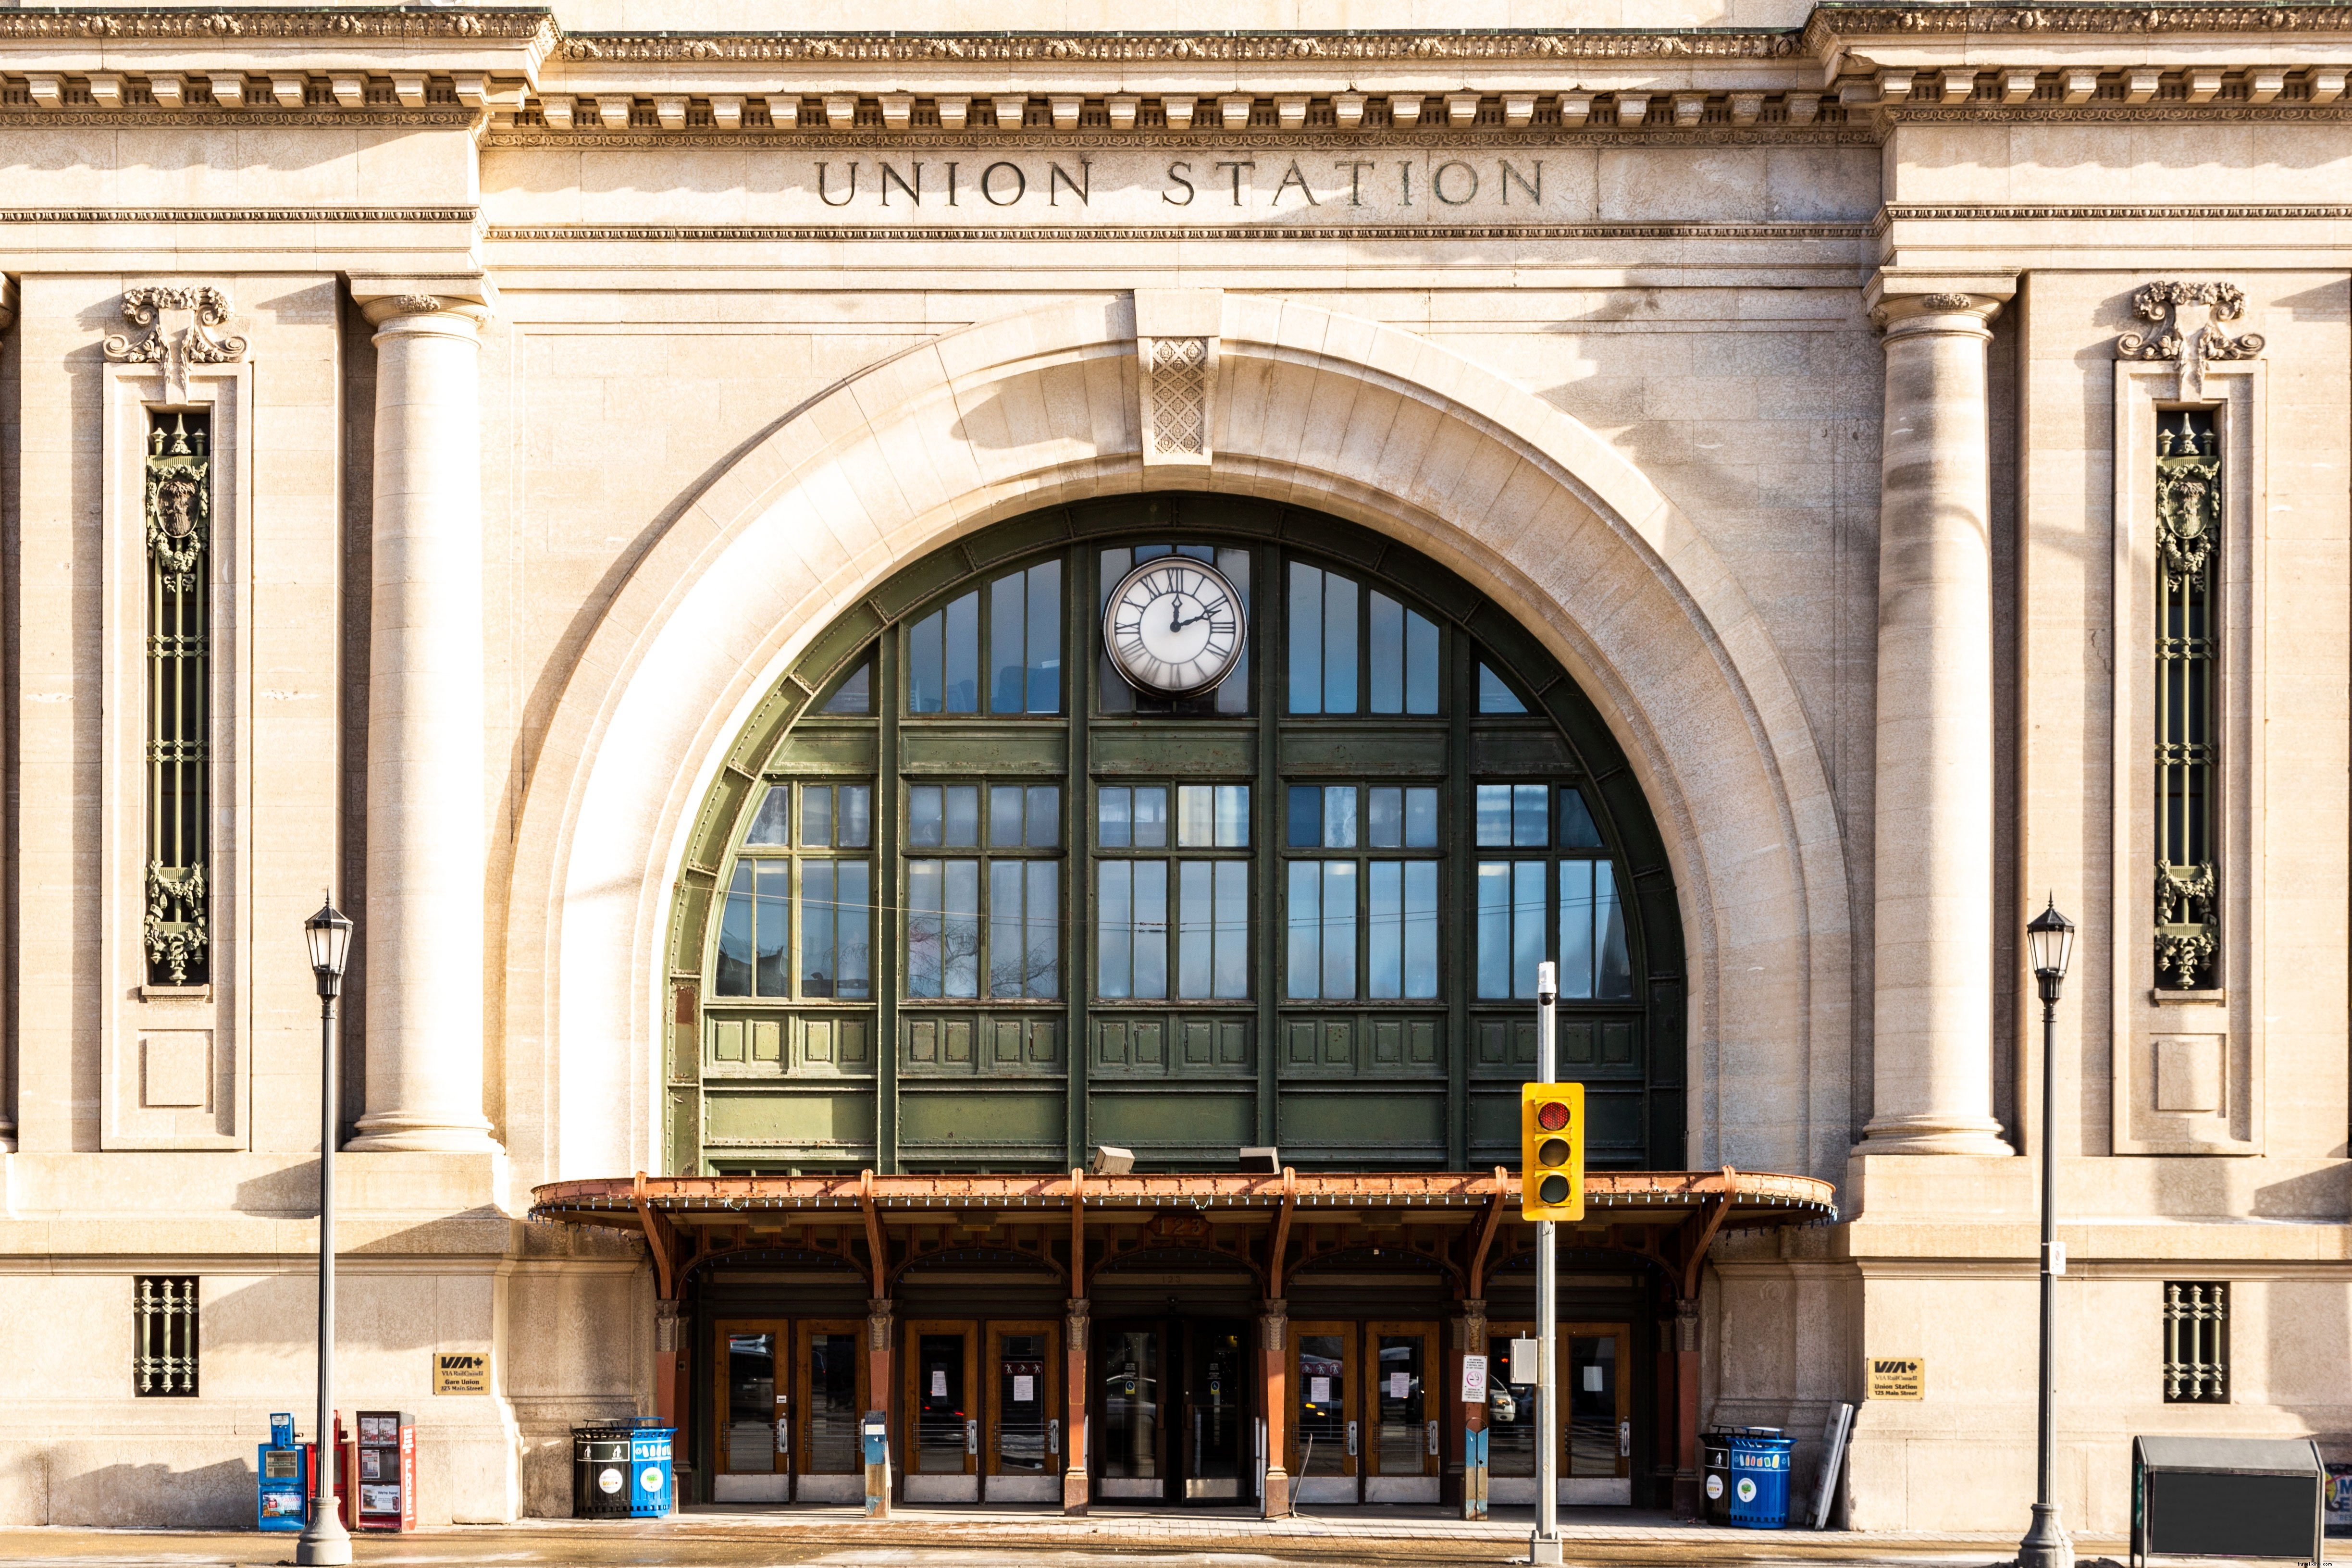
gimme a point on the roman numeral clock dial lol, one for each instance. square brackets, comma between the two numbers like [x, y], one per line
[1174, 626]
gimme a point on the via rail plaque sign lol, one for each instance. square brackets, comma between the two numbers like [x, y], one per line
[1898, 1377]
[461, 1372]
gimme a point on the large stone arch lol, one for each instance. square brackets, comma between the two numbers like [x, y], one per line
[1373, 423]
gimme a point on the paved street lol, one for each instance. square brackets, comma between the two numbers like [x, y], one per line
[947, 1538]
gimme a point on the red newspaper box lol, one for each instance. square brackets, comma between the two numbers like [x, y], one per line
[387, 1471]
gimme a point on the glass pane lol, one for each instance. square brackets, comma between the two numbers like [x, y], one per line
[1196, 816]
[1130, 1446]
[1338, 645]
[1045, 638]
[1195, 947]
[816, 928]
[940, 1412]
[963, 655]
[1232, 928]
[1527, 925]
[1419, 664]
[1493, 815]
[1339, 817]
[1510, 1411]
[1021, 1404]
[1322, 1404]
[773, 976]
[1114, 928]
[1593, 1406]
[1045, 826]
[1493, 930]
[1008, 669]
[1007, 932]
[1045, 938]
[1006, 814]
[1421, 928]
[1493, 696]
[1338, 929]
[1385, 693]
[853, 825]
[1114, 810]
[1384, 818]
[960, 829]
[1306, 817]
[1615, 980]
[1304, 968]
[832, 1447]
[1577, 828]
[1233, 816]
[1306, 639]
[926, 888]
[1150, 816]
[854, 696]
[1233, 691]
[925, 679]
[816, 816]
[750, 1404]
[925, 814]
[733, 977]
[1421, 819]
[853, 918]
[1384, 930]
[959, 943]
[1150, 927]
[1398, 1406]
[1529, 829]
[774, 824]
[1220, 1428]
[1576, 929]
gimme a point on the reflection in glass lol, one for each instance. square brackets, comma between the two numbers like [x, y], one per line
[1233, 817]
[772, 976]
[733, 978]
[1024, 929]
[773, 825]
[1593, 962]
[1304, 958]
[1008, 629]
[1323, 630]
[1114, 816]
[1338, 929]
[1322, 1404]
[1131, 928]
[1030, 816]
[750, 1404]
[943, 816]
[1151, 817]
[1021, 1406]
[1397, 1400]
[1510, 1415]
[942, 928]
[1005, 816]
[1384, 817]
[1493, 696]
[1131, 1404]
[855, 696]
[943, 659]
[816, 815]
[1196, 816]
[1339, 817]
[1577, 828]
[1402, 933]
[1232, 976]
[1510, 927]
[832, 1444]
[1213, 929]
[835, 919]
[940, 1413]
[1404, 659]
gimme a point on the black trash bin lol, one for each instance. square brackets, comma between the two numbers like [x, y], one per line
[600, 1472]
[1715, 1474]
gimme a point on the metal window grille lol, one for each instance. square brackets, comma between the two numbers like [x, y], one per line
[2196, 1343]
[163, 1362]
[179, 696]
[2188, 530]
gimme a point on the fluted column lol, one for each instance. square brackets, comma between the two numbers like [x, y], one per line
[423, 935]
[1932, 1012]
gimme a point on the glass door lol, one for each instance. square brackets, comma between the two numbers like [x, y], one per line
[1024, 1450]
[1403, 1461]
[1131, 1448]
[1596, 1425]
[941, 1416]
[754, 1447]
[1324, 1428]
[1216, 1412]
[829, 1394]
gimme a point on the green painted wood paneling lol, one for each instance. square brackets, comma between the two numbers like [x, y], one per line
[937, 1119]
[797, 1116]
[1192, 1120]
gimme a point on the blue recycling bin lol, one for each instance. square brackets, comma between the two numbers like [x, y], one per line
[1759, 1482]
[650, 1490]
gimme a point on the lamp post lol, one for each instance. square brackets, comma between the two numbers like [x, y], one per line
[2049, 940]
[329, 934]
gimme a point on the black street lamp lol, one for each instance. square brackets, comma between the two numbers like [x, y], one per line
[2050, 941]
[329, 932]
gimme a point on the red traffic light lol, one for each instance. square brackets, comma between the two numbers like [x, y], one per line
[1552, 1116]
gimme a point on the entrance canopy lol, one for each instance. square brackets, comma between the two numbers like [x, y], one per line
[1077, 1223]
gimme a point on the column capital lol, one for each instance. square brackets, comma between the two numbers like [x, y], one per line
[386, 296]
[1896, 295]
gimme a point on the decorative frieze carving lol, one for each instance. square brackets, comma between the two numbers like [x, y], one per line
[1128, 48]
[180, 323]
[2190, 335]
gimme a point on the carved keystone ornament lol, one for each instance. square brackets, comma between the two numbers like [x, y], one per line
[180, 326]
[2192, 336]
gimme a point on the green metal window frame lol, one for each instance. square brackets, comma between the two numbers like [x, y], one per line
[989, 1084]
[2189, 519]
[179, 519]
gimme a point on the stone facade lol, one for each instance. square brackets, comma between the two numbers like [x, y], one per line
[1784, 371]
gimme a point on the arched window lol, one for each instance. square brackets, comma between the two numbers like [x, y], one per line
[969, 897]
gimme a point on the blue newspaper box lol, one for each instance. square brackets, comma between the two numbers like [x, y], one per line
[649, 1470]
[284, 1493]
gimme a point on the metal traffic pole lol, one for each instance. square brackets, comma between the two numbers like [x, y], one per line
[1545, 1545]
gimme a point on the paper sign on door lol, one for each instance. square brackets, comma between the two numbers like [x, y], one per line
[939, 1383]
[1319, 1391]
[1399, 1385]
[1592, 1379]
[1024, 1388]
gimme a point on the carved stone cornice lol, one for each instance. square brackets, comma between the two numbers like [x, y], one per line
[321, 24]
[1833, 23]
[772, 233]
[1403, 47]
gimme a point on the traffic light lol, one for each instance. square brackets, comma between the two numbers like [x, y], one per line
[1551, 1151]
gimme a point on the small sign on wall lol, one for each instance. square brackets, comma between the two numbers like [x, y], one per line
[461, 1372]
[1474, 1380]
[1898, 1377]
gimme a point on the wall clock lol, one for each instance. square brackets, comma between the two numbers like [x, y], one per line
[1174, 626]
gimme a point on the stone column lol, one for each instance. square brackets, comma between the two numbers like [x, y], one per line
[421, 936]
[1077, 1384]
[1932, 1009]
[1274, 1357]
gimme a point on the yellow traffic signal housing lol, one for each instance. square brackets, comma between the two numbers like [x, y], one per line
[1551, 1151]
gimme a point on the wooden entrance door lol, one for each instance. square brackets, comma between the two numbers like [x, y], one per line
[1402, 1373]
[942, 1418]
[829, 1396]
[1021, 1442]
[752, 1411]
[1327, 1412]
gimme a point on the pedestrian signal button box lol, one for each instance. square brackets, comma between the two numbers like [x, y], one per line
[387, 1479]
[1551, 1151]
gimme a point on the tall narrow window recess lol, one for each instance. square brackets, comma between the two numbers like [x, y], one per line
[2187, 528]
[164, 1357]
[179, 514]
[2196, 1343]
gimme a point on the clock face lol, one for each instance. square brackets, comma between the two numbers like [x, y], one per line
[1174, 626]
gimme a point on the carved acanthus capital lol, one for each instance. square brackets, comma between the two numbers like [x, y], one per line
[176, 328]
[435, 303]
[2186, 316]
